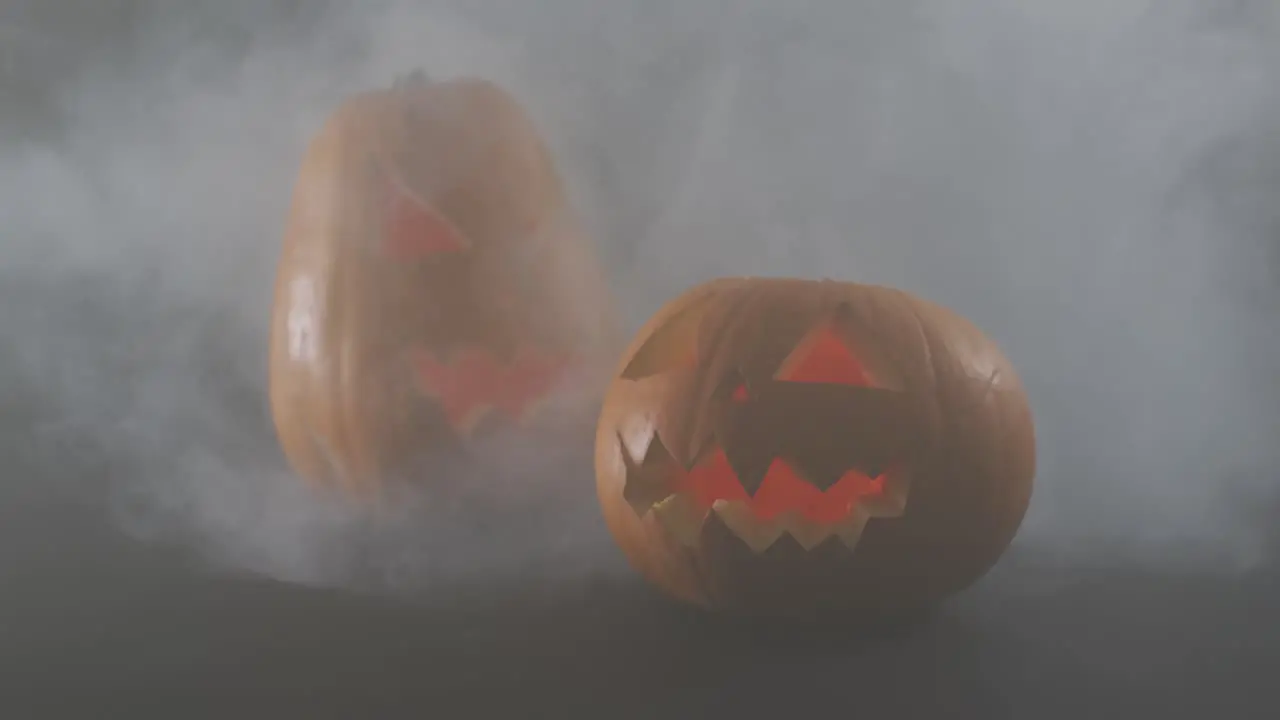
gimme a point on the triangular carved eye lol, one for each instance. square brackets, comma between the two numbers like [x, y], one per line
[415, 231]
[412, 230]
[823, 356]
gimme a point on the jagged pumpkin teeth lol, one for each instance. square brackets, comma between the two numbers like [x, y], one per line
[636, 437]
[808, 534]
[850, 529]
[757, 534]
[681, 517]
[893, 503]
[433, 284]
[824, 414]
[760, 535]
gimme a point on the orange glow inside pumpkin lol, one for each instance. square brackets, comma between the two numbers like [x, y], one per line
[782, 490]
[821, 357]
[473, 382]
[413, 231]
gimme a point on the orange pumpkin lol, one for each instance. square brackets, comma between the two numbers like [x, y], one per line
[433, 287]
[798, 448]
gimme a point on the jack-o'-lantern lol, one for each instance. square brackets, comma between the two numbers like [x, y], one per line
[798, 448]
[433, 287]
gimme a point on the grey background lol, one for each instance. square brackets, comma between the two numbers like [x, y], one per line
[1093, 182]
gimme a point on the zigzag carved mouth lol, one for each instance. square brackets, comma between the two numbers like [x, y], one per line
[474, 383]
[682, 498]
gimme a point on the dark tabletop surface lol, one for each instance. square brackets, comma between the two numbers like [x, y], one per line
[94, 625]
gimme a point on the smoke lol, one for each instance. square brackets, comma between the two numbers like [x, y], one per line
[1092, 182]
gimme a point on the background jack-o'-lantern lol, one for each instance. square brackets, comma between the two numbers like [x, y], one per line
[433, 285]
[798, 447]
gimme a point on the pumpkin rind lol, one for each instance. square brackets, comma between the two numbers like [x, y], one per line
[428, 228]
[951, 439]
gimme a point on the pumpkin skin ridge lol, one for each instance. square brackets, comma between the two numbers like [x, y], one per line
[284, 402]
[350, 369]
[647, 546]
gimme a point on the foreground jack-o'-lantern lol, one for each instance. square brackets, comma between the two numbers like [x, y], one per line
[433, 286]
[795, 447]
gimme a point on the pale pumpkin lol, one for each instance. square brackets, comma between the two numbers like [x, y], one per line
[433, 286]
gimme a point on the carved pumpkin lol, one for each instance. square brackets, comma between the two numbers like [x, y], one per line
[432, 287]
[795, 447]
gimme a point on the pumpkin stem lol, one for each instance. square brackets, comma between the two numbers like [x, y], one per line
[414, 77]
